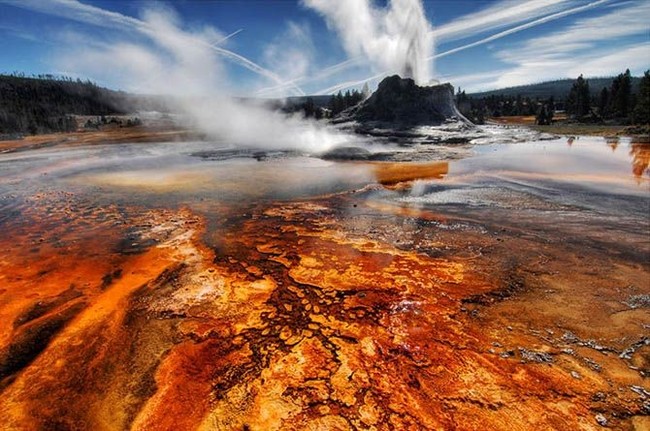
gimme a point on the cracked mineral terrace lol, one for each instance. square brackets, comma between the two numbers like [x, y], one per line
[184, 285]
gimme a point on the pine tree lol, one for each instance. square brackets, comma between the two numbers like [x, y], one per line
[308, 107]
[603, 102]
[579, 99]
[545, 113]
[621, 95]
[641, 113]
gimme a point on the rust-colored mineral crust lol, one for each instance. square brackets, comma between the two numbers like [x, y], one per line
[313, 315]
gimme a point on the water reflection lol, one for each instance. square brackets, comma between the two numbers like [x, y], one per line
[613, 142]
[393, 173]
[584, 160]
[640, 152]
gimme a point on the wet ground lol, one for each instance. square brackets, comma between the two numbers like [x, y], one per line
[188, 285]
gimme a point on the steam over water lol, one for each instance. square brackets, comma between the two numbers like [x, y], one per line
[187, 64]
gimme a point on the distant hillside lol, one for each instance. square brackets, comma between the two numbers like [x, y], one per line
[31, 105]
[44, 105]
[557, 89]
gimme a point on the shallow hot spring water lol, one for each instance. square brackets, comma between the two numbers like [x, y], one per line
[189, 286]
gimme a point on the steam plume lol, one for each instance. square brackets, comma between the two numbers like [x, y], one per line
[398, 38]
[186, 65]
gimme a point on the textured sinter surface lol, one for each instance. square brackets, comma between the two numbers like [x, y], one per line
[347, 311]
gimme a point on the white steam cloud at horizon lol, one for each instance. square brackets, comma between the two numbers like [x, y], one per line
[182, 63]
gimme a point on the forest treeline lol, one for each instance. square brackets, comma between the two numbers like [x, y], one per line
[619, 100]
[320, 107]
[41, 104]
[47, 103]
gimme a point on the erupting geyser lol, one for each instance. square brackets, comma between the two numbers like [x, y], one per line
[397, 39]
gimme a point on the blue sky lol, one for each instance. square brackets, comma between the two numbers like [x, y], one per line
[282, 47]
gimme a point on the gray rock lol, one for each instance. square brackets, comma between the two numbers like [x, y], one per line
[640, 390]
[638, 301]
[570, 337]
[592, 364]
[346, 153]
[399, 101]
[629, 351]
[602, 420]
[533, 356]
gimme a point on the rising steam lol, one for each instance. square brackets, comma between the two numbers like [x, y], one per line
[396, 39]
[185, 65]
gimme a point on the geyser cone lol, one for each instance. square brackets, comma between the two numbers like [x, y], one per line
[399, 101]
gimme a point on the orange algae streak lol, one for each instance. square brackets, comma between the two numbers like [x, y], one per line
[106, 312]
[60, 340]
[640, 152]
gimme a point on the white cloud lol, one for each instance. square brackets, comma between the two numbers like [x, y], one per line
[635, 58]
[595, 46]
[76, 11]
[26, 35]
[586, 33]
[88, 14]
[502, 14]
[473, 82]
[291, 54]
[505, 13]
[521, 27]
[596, 63]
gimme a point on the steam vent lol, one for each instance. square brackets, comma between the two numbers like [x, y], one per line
[399, 101]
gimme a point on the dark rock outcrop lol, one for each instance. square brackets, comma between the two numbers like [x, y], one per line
[346, 153]
[400, 102]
